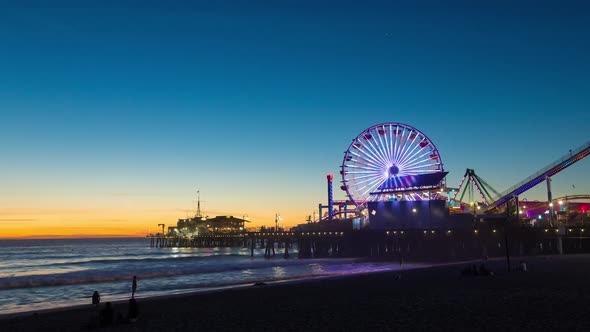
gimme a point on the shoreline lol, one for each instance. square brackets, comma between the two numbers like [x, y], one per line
[553, 293]
[194, 292]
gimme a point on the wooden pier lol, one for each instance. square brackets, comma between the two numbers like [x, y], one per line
[417, 244]
[309, 244]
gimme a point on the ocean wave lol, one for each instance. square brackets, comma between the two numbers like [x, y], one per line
[144, 272]
[114, 260]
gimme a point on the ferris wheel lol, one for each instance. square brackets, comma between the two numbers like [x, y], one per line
[382, 152]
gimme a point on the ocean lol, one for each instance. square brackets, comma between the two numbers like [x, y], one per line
[53, 273]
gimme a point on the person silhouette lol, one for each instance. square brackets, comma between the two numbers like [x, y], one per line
[134, 287]
[95, 298]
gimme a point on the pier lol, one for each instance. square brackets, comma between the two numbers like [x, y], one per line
[399, 244]
[403, 209]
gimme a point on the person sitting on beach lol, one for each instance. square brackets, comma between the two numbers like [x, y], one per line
[106, 315]
[95, 298]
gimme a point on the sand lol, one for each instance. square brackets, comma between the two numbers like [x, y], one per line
[553, 295]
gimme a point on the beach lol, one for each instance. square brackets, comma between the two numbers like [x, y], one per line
[552, 294]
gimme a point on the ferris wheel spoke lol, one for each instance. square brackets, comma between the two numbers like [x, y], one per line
[369, 156]
[372, 186]
[391, 143]
[365, 183]
[396, 142]
[405, 147]
[362, 162]
[374, 152]
[361, 172]
[368, 160]
[411, 153]
[364, 172]
[364, 178]
[384, 143]
[402, 145]
[416, 160]
[378, 146]
[399, 140]
[358, 180]
[363, 167]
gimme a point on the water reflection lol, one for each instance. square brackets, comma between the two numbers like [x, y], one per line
[279, 272]
[317, 268]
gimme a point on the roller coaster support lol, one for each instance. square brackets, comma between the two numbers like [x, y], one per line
[549, 199]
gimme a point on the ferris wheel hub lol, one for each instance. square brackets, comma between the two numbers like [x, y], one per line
[393, 170]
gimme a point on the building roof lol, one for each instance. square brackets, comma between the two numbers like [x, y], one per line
[412, 182]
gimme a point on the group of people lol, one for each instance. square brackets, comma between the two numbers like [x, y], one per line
[106, 315]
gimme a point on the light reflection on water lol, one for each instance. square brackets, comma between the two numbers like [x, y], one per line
[279, 272]
[316, 268]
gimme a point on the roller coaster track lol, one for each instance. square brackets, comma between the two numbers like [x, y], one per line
[557, 166]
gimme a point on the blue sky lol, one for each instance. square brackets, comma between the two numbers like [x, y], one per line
[254, 102]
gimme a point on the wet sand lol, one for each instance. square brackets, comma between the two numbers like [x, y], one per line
[553, 295]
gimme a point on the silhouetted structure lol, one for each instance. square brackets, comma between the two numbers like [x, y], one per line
[95, 298]
[134, 287]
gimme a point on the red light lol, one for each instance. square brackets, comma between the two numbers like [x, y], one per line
[330, 177]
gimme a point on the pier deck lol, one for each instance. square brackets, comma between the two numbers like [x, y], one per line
[432, 244]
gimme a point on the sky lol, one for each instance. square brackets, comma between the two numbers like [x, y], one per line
[114, 113]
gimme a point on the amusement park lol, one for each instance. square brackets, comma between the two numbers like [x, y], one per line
[393, 176]
[399, 204]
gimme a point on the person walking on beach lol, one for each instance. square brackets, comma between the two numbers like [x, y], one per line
[134, 287]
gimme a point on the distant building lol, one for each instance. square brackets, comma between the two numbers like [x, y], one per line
[226, 225]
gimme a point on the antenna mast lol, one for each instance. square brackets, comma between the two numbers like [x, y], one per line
[199, 205]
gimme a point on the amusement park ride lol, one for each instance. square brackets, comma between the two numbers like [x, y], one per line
[395, 162]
